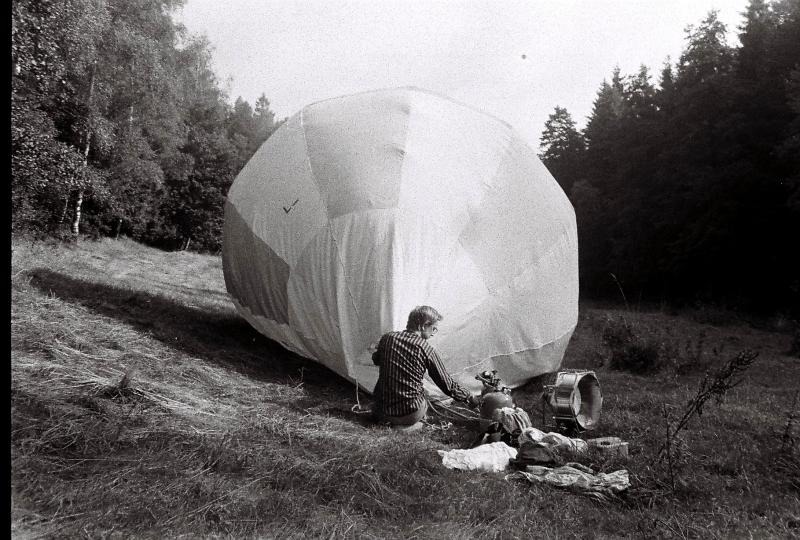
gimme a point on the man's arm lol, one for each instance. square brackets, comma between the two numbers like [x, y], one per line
[442, 378]
[378, 354]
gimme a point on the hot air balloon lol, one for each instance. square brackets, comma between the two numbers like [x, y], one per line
[361, 207]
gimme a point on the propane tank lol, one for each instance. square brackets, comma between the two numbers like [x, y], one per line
[493, 401]
[493, 396]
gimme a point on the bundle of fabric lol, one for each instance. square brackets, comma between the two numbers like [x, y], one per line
[539, 448]
[506, 426]
[577, 478]
[513, 419]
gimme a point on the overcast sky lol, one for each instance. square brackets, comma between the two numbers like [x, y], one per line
[516, 60]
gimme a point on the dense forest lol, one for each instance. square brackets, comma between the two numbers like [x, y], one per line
[689, 190]
[119, 125]
[685, 190]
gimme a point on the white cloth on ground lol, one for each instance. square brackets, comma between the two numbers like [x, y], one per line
[493, 457]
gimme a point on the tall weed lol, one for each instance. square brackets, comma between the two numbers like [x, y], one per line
[713, 386]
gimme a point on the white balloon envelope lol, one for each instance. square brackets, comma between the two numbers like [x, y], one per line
[359, 208]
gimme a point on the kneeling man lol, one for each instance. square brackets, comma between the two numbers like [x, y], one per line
[403, 358]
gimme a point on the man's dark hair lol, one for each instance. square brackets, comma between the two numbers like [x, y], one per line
[421, 316]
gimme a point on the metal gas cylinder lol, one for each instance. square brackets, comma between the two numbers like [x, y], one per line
[493, 396]
[493, 401]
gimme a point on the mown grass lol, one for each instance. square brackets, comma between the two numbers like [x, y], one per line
[143, 406]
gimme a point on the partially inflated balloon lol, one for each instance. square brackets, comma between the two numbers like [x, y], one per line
[359, 208]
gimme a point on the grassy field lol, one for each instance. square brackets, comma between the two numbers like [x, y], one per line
[143, 406]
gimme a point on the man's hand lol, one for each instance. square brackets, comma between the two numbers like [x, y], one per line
[376, 357]
[474, 402]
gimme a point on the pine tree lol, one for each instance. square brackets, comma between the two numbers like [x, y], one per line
[562, 147]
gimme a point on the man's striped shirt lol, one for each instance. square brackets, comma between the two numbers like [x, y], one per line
[403, 358]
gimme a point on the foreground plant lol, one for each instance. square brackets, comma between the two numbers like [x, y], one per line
[716, 386]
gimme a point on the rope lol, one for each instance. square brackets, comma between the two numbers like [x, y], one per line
[447, 411]
[444, 412]
[357, 407]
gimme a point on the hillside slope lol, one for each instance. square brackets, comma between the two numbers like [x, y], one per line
[142, 405]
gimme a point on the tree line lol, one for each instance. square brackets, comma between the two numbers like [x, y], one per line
[689, 190]
[119, 125]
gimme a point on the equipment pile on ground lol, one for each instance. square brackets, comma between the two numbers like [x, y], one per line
[510, 440]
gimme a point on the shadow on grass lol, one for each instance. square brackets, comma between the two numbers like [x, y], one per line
[216, 335]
